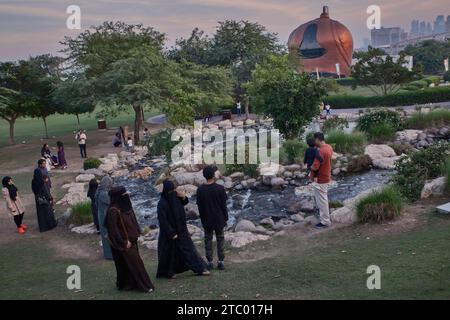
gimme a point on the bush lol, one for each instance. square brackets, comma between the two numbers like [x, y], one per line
[346, 142]
[380, 206]
[374, 118]
[293, 150]
[382, 133]
[429, 95]
[91, 163]
[346, 82]
[247, 168]
[447, 76]
[446, 171]
[334, 123]
[161, 144]
[413, 170]
[81, 213]
[433, 79]
[401, 148]
[422, 120]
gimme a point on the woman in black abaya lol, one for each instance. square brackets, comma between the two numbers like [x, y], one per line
[176, 251]
[44, 201]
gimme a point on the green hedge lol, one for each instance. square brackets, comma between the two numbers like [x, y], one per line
[346, 82]
[430, 95]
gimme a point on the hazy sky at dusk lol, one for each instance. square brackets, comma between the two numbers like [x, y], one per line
[35, 26]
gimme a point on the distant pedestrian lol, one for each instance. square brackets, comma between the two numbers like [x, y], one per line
[13, 203]
[102, 200]
[321, 176]
[129, 144]
[327, 110]
[81, 138]
[238, 108]
[146, 136]
[92, 190]
[43, 199]
[61, 155]
[212, 206]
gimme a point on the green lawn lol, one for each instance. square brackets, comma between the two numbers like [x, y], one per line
[332, 265]
[359, 91]
[59, 125]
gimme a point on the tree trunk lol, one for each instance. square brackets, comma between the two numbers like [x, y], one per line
[45, 127]
[247, 109]
[78, 120]
[11, 131]
[143, 116]
[137, 123]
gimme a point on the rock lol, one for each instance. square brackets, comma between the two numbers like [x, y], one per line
[119, 173]
[267, 179]
[245, 225]
[152, 244]
[249, 122]
[237, 175]
[444, 132]
[303, 191]
[239, 187]
[434, 187]
[267, 222]
[75, 194]
[95, 172]
[307, 204]
[344, 215]
[238, 123]
[85, 229]
[190, 189]
[385, 163]
[379, 151]
[297, 217]
[311, 220]
[85, 177]
[293, 167]
[191, 210]
[143, 174]
[336, 171]
[277, 182]
[225, 124]
[408, 135]
[242, 238]
[194, 178]
[288, 174]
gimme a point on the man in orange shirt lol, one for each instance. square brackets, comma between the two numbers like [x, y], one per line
[321, 177]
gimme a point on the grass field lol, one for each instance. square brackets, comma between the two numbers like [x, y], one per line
[331, 265]
[59, 125]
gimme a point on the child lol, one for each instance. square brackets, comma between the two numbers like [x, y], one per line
[311, 153]
[129, 144]
[146, 136]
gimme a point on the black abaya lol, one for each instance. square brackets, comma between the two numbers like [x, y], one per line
[179, 255]
[43, 198]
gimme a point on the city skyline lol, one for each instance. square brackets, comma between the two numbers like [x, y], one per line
[29, 28]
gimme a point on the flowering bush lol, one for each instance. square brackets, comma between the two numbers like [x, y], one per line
[369, 120]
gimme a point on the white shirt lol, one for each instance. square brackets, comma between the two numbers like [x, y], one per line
[238, 105]
[81, 137]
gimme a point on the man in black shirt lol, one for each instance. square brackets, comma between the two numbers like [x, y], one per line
[211, 201]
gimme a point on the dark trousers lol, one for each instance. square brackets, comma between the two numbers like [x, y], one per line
[83, 150]
[220, 238]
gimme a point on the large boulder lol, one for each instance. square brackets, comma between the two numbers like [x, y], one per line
[119, 173]
[277, 182]
[143, 174]
[382, 155]
[84, 177]
[385, 163]
[242, 238]
[191, 210]
[434, 187]
[245, 225]
[408, 135]
[194, 178]
[75, 194]
[190, 189]
[225, 124]
[85, 229]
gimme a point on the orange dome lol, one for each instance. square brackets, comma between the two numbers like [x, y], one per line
[321, 44]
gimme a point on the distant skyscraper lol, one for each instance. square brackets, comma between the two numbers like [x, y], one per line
[414, 28]
[422, 28]
[387, 36]
[429, 29]
[439, 25]
[447, 24]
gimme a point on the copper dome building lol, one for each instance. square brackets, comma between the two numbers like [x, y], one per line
[321, 44]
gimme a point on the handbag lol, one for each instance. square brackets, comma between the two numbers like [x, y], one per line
[42, 201]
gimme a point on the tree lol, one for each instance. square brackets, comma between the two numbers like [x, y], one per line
[430, 54]
[103, 55]
[280, 92]
[194, 49]
[15, 100]
[44, 73]
[380, 73]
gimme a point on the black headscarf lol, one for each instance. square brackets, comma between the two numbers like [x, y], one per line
[121, 199]
[169, 194]
[12, 189]
[37, 184]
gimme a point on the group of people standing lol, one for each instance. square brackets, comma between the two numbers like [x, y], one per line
[119, 230]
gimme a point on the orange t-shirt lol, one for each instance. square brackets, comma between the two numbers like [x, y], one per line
[323, 170]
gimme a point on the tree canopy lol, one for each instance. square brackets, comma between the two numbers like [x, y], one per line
[430, 54]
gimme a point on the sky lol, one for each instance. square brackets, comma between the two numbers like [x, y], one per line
[32, 27]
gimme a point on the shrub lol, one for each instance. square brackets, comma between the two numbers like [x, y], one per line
[447, 76]
[346, 142]
[247, 168]
[91, 163]
[293, 150]
[433, 79]
[382, 132]
[401, 148]
[380, 206]
[446, 171]
[374, 118]
[419, 84]
[161, 143]
[429, 95]
[81, 213]
[422, 120]
[334, 123]
[414, 169]
[346, 82]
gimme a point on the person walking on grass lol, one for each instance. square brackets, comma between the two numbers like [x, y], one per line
[81, 138]
[212, 206]
[102, 200]
[13, 203]
[321, 178]
[176, 251]
[43, 198]
[123, 234]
